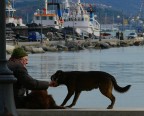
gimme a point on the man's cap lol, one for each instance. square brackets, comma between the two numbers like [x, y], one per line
[19, 53]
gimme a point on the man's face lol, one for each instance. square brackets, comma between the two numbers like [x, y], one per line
[24, 60]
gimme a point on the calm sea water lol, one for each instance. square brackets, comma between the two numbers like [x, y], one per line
[125, 63]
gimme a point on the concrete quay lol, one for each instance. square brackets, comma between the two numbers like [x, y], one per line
[81, 112]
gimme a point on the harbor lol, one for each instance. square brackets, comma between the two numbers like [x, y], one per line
[72, 22]
[78, 30]
[77, 26]
[66, 36]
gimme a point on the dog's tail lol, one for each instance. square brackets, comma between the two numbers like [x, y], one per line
[118, 88]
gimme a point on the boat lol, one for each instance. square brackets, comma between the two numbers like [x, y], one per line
[47, 17]
[77, 17]
[11, 20]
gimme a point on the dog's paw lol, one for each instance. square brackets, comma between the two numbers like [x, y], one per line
[109, 107]
[69, 106]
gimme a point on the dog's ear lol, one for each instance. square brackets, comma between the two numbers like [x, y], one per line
[59, 73]
[56, 75]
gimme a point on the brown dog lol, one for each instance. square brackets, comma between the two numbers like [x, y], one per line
[77, 81]
[39, 99]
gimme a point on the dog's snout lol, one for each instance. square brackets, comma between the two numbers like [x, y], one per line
[52, 77]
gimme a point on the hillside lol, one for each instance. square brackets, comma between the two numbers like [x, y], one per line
[128, 6]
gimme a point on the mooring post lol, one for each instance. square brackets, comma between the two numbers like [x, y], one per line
[7, 104]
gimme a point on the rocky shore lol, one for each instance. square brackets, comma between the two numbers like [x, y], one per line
[73, 45]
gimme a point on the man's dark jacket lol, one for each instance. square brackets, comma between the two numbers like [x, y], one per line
[24, 80]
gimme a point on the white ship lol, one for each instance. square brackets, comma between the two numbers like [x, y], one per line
[50, 18]
[10, 18]
[75, 16]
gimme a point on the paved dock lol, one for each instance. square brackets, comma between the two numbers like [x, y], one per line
[82, 112]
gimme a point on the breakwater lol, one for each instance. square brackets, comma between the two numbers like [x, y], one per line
[73, 45]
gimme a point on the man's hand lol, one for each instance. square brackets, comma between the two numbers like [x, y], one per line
[52, 84]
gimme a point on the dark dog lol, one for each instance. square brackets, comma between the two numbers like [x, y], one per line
[39, 99]
[77, 81]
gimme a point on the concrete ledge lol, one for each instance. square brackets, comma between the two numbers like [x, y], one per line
[81, 112]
